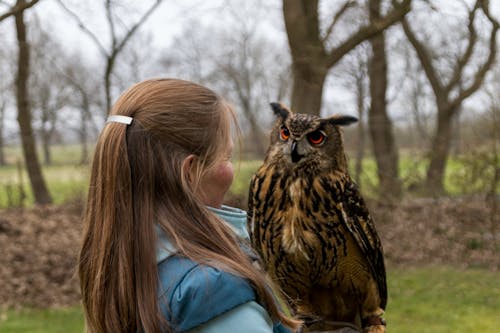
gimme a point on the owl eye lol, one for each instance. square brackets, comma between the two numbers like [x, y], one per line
[316, 138]
[284, 133]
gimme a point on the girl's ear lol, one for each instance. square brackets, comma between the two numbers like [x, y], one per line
[280, 111]
[188, 168]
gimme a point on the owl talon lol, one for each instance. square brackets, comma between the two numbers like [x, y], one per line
[374, 324]
[374, 329]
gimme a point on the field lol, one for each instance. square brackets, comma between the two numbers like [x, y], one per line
[67, 179]
[443, 259]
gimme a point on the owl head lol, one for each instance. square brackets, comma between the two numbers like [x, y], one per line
[308, 141]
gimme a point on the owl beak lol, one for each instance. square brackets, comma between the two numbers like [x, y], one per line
[295, 155]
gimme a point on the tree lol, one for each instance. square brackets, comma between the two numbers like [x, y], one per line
[352, 72]
[38, 185]
[19, 7]
[49, 93]
[251, 74]
[5, 88]
[86, 96]
[311, 57]
[451, 92]
[117, 43]
[243, 64]
[380, 125]
[2, 121]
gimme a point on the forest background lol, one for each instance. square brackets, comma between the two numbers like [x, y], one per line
[422, 76]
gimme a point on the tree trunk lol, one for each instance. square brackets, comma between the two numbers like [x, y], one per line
[38, 186]
[307, 89]
[311, 60]
[309, 65]
[447, 104]
[107, 84]
[380, 124]
[47, 158]
[45, 130]
[84, 112]
[2, 146]
[434, 184]
[361, 130]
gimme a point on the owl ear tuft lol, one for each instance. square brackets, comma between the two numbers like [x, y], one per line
[342, 120]
[280, 110]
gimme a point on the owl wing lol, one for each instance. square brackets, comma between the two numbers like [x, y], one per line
[359, 222]
[250, 208]
[261, 197]
[253, 229]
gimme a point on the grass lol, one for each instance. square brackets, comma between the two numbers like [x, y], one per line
[243, 172]
[67, 320]
[65, 183]
[443, 300]
[426, 299]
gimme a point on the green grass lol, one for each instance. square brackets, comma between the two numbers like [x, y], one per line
[65, 183]
[68, 320]
[243, 172]
[429, 299]
[66, 179]
[443, 300]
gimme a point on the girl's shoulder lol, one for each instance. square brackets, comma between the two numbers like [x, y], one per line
[192, 294]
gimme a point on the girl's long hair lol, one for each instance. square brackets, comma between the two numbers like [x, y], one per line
[137, 182]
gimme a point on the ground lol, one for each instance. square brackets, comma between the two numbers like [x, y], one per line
[39, 246]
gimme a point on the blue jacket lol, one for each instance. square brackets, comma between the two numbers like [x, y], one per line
[196, 298]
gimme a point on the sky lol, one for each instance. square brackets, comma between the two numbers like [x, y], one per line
[168, 20]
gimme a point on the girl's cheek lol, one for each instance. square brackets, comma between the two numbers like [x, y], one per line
[227, 174]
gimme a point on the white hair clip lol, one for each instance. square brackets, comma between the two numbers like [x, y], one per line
[119, 119]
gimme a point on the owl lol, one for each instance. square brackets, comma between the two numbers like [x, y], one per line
[311, 228]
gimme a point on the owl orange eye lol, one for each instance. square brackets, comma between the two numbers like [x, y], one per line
[284, 133]
[316, 138]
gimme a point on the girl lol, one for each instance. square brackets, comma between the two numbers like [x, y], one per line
[160, 253]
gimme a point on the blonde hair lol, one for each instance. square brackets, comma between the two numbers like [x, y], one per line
[137, 182]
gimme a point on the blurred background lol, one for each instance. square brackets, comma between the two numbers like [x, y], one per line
[422, 76]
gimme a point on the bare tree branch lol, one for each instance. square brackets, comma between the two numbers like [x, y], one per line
[348, 4]
[425, 59]
[396, 14]
[446, 106]
[18, 7]
[440, 90]
[481, 73]
[86, 30]
[464, 59]
[117, 45]
[132, 30]
[111, 24]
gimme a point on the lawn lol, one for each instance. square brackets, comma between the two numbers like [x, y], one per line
[42, 321]
[66, 183]
[432, 300]
[443, 300]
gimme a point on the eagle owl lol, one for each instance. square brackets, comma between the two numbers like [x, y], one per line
[311, 227]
